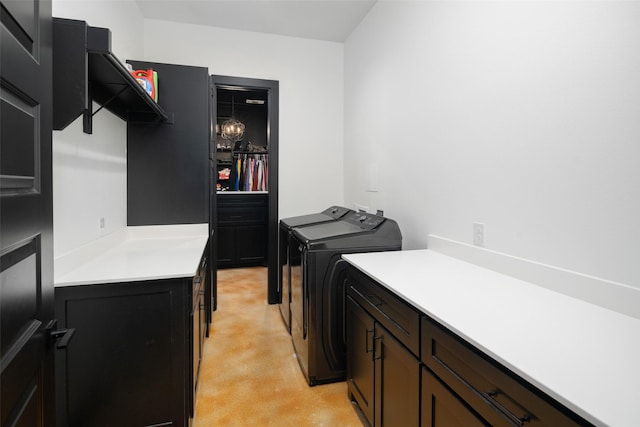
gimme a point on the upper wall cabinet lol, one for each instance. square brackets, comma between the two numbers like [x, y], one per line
[85, 70]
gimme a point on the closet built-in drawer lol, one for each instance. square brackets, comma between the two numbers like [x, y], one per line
[242, 208]
[399, 318]
[242, 215]
[498, 395]
[233, 199]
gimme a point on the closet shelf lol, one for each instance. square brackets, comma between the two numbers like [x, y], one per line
[85, 70]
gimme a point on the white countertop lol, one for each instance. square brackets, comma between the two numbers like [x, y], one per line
[584, 356]
[134, 254]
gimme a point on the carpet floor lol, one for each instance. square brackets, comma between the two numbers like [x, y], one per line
[249, 375]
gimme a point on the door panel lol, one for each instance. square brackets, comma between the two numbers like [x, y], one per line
[18, 134]
[441, 408]
[18, 308]
[360, 364]
[21, 21]
[26, 215]
[397, 388]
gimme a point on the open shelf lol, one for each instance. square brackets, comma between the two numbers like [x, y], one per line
[85, 70]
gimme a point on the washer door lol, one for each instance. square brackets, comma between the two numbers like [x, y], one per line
[298, 265]
[333, 314]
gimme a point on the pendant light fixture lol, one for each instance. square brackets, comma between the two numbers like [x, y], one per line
[232, 129]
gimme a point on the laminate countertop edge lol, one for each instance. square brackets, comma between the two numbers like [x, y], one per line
[584, 356]
[134, 254]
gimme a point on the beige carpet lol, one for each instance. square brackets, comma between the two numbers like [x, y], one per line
[249, 376]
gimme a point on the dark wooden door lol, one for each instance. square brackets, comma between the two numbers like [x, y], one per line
[397, 382]
[360, 366]
[442, 408]
[26, 215]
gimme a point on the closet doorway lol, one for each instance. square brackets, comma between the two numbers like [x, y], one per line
[244, 156]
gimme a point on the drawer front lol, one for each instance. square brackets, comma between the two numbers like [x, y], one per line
[497, 394]
[244, 215]
[399, 318]
[230, 200]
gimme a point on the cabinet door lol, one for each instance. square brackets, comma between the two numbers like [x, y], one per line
[128, 364]
[251, 241]
[397, 382]
[360, 365]
[226, 246]
[441, 408]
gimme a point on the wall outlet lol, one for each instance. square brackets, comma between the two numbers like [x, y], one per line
[478, 234]
[372, 178]
[101, 222]
[361, 208]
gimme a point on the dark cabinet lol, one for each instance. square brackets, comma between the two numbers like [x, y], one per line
[383, 375]
[493, 394]
[168, 166]
[128, 360]
[134, 359]
[242, 229]
[442, 408]
[85, 70]
[405, 369]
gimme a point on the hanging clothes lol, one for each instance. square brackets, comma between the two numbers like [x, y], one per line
[250, 172]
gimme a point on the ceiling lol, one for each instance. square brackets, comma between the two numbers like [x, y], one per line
[330, 20]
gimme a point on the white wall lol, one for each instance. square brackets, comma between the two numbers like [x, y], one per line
[519, 115]
[89, 171]
[311, 99]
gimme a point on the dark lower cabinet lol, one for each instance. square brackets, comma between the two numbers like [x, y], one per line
[135, 357]
[383, 377]
[127, 363]
[494, 395]
[242, 229]
[405, 369]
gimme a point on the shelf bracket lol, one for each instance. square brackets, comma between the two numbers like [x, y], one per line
[108, 101]
[87, 119]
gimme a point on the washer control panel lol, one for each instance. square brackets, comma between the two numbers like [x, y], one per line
[364, 220]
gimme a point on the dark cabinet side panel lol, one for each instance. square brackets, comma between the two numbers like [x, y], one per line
[168, 171]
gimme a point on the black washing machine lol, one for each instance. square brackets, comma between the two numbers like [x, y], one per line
[318, 287]
[332, 213]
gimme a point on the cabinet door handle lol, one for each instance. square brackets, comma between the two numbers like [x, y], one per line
[366, 341]
[520, 421]
[379, 356]
[377, 302]
[64, 335]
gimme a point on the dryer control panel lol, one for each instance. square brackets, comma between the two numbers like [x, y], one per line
[364, 220]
